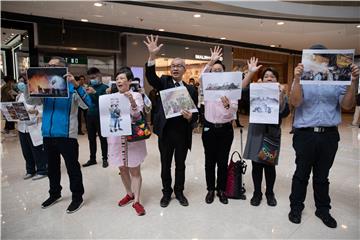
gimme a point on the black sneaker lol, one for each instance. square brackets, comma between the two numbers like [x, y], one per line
[271, 200]
[105, 164]
[50, 201]
[295, 216]
[165, 200]
[74, 206]
[327, 219]
[182, 199]
[255, 200]
[89, 163]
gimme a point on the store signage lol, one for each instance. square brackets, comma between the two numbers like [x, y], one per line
[71, 59]
[202, 57]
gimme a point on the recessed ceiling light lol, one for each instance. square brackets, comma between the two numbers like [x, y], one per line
[358, 26]
[84, 20]
[280, 23]
[97, 4]
[98, 16]
[187, 48]
[12, 34]
[272, 45]
[223, 38]
[197, 15]
[161, 29]
[74, 48]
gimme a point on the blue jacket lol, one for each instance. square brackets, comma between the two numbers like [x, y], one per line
[60, 114]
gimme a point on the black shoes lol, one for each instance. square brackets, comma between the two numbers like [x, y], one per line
[223, 199]
[50, 201]
[74, 206]
[255, 200]
[89, 163]
[327, 219]
[165, 200]
[210, 197]
[182, 199]
[271, 200]
[295, 216]
[105, 163]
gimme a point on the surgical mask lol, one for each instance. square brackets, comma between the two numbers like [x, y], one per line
[21, 86]
[94, 82]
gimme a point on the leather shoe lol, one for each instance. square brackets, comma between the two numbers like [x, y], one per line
[105, 164]
[209, 197]
[165, 200]
[182, 199]
[89, 163]
[327, 219]
[223, 199]
[271, 200]
[255, 200]
[295, 217]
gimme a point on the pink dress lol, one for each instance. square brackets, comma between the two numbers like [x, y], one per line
[124, 153]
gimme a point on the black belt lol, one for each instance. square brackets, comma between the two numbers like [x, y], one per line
[217, 125]
[318, 129]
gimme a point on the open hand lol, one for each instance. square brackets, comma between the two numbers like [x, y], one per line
[152, 45]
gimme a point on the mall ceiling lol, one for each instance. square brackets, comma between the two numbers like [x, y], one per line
[286, 24]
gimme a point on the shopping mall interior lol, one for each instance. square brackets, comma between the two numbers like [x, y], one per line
[111, 34]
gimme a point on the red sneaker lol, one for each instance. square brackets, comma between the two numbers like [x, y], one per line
[126, 200]
[139, 209]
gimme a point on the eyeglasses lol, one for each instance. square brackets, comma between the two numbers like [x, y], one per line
[177, 66]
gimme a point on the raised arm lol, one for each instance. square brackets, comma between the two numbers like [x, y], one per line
[253, 68]
[150, 73]
[348, 100]
[296, 94]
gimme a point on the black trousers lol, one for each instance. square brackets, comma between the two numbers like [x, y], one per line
[35, 156]
[316, 152]
[68, 148]
[173, 143]
[217, 144]
[257, 175]
[81, 112]
[93, 127]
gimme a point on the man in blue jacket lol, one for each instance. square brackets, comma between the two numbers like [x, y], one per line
[59, 130]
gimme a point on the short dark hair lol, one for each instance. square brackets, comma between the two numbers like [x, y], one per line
[77, 78]
[270, 69]
[81, 76]
[8, 79]
[221, 63]
[62, 60]
[92, 71]
[129, 74]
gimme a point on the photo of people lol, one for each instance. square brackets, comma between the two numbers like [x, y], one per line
[216, 85]
[264, 103]
[47, 82]
[14, 111]
[175, 100]
[114, 115]
[327, 66]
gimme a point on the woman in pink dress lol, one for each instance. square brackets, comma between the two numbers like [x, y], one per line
[128, 156]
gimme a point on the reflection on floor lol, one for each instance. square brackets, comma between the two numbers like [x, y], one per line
[101, 218]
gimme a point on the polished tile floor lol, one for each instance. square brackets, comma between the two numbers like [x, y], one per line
[101, 218]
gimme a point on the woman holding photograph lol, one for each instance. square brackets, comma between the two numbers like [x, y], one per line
[255, 141]
[218, 132]
[128, 156]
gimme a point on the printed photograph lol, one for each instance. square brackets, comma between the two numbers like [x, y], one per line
[47, 82]
[114, 115]
[217, 85]
[264, 103]
[175, 100]
[14, 111]
[331, 67]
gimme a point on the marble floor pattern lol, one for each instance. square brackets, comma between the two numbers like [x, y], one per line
[101, 218]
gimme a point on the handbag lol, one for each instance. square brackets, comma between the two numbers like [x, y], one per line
[269, 152]
[139, 128]
[234, 182]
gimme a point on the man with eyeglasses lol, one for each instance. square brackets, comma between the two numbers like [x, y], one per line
[59, 130]
[175, 134]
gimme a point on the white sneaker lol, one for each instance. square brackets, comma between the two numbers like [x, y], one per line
[28, 176]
